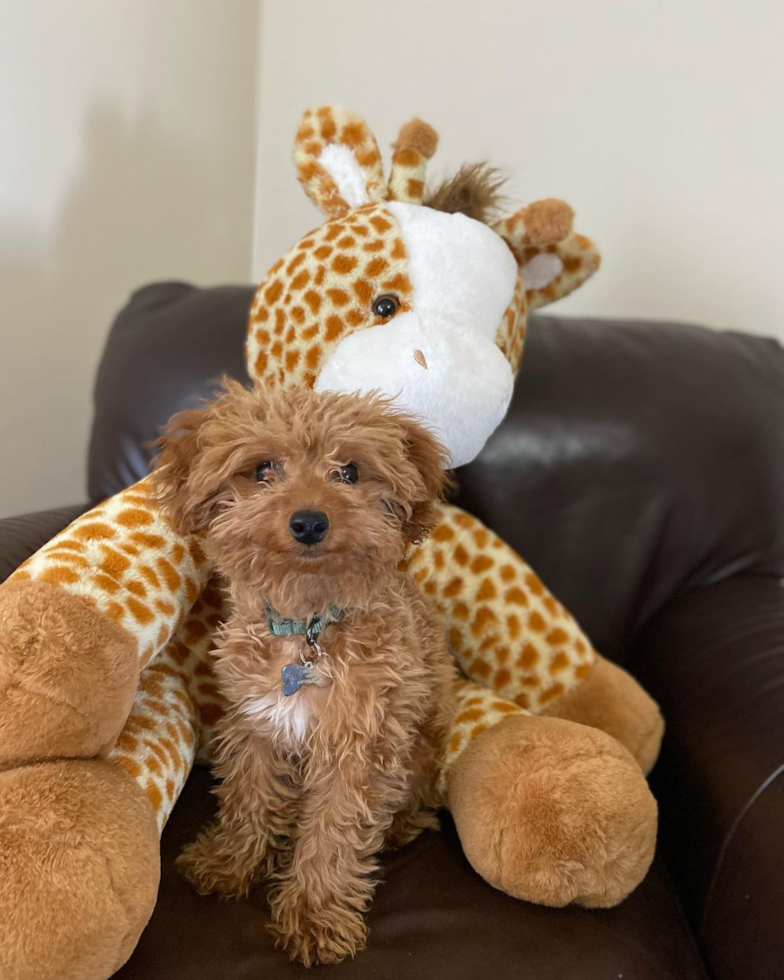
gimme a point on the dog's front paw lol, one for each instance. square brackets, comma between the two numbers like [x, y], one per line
[214, 869]
[209, 875]
[325, 935]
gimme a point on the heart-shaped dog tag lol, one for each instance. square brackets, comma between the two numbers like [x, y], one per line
[296, 676]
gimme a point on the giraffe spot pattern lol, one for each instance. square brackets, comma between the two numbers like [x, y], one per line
[175, 710]
[478, 708]
[505, 629]
[335, 282]
[125, 558]
[329, 125]
[579, 258]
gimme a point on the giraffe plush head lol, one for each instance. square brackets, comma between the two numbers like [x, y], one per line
[414, 295]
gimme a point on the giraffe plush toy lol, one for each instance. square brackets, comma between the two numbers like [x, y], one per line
[106, 691]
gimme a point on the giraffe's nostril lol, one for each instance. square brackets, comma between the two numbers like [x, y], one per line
[419, 357]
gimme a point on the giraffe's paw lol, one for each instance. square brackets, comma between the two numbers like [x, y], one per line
[553, 812]
[80, 860]
[68, 675]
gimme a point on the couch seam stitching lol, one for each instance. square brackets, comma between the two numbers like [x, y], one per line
[761, 789]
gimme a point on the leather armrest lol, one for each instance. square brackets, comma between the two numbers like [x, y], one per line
[714, 659]
[22, 536]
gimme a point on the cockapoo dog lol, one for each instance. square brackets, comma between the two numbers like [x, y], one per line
[334, 665]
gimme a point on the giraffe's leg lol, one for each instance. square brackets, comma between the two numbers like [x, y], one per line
[175, 709]
[99, 820]
[509, 633]
[613, 701]
[68, 675]
[79, 869]
[78, 838]
[547, 809]
[81, 618]
[157, 746]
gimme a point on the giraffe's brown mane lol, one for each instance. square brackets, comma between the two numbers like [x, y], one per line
[475, 191]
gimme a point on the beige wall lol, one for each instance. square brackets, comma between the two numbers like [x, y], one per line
[661, 122]
[128, 145]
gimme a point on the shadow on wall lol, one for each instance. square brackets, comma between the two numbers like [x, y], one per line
[141, 209]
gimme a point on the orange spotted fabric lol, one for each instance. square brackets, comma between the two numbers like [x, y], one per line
[124, 556]
[504, 628]
[415, 145]
[322, 290]
[578, 256]
[330, 125]
[580, 260]
[511, 333]
[174, 713]
[478, 708]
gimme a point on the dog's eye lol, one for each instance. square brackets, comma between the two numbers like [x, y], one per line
[346, 474]
[265, 470]
[386, 306]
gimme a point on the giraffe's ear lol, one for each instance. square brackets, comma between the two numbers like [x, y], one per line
[337, 160]
[553, 260]
[551, 272]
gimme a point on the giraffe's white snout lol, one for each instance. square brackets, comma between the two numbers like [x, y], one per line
[463, 394]
[439, 359]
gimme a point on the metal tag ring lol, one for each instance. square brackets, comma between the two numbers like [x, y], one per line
[310, 645]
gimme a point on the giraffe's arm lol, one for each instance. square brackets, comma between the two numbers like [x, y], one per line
[176, 708]
[79, 621]
[81, 618]
[510, 634]
[126, 560]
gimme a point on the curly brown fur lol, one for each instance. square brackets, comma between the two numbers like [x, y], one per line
[475, 191]
[315, 784]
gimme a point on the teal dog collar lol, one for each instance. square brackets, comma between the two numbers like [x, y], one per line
[310, 629]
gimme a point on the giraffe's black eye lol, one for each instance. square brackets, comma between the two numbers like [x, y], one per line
[346, 474]
[266, 469]
[386, 306]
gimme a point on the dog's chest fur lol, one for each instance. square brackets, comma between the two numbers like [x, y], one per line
[290, 718]
[371, 665]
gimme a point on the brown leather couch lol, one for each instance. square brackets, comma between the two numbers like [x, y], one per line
[641, 472]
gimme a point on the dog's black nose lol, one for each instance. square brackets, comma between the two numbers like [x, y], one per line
[309, 526]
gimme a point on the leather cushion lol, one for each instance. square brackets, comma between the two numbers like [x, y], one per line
[433, 917]
[167, 349]
[714, 659]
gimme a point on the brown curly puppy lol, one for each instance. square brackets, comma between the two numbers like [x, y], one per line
[308, 501]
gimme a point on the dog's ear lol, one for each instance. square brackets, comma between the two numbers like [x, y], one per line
[201, 449]
[186, 505]
[431, 460]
